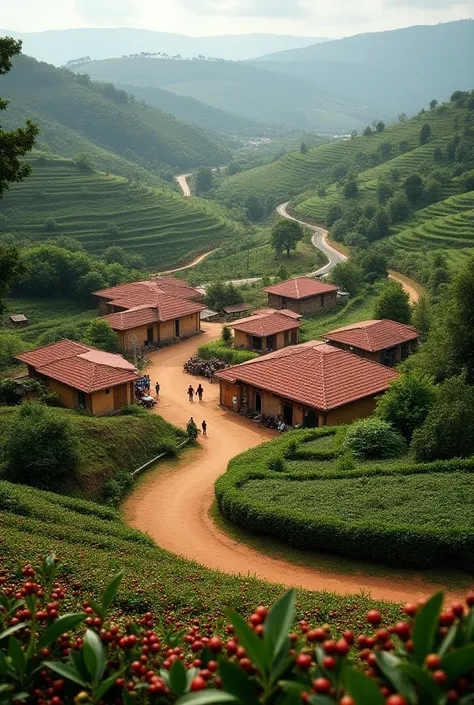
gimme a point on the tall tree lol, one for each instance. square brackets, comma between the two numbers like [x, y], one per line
[203, 180]
[393, 303]
[425, 133]
[101, 335]
[285, 236]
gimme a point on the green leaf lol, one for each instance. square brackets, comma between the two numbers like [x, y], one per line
[107, 684]
[100, 611]
[111, 589]
[77, 658]
[65, 671]
[94, 655]
[237, 683]
[459, 662]
[278, 623]
[178, 679]
[389, 665]
[254, 646]
[59, 626]
[17, 657]
[424, 680]
[426, 625]
[12, 630]
[469, 626]
[448, 641]
[363, 689]
[207, 697]
[320, 700]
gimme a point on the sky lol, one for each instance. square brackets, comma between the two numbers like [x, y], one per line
[316, 18]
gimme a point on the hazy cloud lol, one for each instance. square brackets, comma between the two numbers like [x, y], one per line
[249, 8]
[108, 11]
[426, 4]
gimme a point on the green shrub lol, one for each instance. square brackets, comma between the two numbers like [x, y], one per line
[372, 438]
[406, 404]
[276, 464]
[115, 489]
[345, 462]
[220, 351]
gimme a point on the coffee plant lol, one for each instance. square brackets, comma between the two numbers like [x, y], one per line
[80, 658]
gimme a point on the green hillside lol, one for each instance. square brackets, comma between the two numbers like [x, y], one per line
[102, 210]
[397, 70]
[121, 135]
[295, 173]
[239, 88]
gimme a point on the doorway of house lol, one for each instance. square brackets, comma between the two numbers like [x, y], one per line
[256, 343]
[310, 419]
[271, 343]
[288, 414]
[149, 335]
[258, 402]
[176, 328]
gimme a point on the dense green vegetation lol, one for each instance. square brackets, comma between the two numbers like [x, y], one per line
[107, 449]
[396, 511]
[100, 210]
[121, 135]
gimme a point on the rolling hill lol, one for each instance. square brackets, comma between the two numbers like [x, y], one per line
[121, 135]
[60, 46]
[100, 210]
[398, 70]
[239, 88]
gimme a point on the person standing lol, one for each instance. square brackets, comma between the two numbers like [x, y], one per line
[190, 392]
[157, 390]
[199, 392]
[204, 428]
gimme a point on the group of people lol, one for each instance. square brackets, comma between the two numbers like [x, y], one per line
[192, 428]
[204, 368]
[199, 392]
[143, 387]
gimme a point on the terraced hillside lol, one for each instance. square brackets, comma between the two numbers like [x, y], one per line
[93, 543]
[102, 210]
[294, 173]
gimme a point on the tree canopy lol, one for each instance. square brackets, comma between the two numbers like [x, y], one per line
[393, 303]
[100, 334]
[285, 236]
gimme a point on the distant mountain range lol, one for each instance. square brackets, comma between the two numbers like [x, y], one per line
[399, 70]
[60, 46]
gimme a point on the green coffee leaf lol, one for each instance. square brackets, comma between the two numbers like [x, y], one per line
[426, 625]
[94, 655]
[65, 671]
[207, 697]
[423, 679]
[237, 682]
[363, 689]
[389, 665]
[279, 622]
[254, 646]
[178, 679]
[59, 626]
[459, 662]
[17, 657]
[111, 589]
[12, 630]
[107, 684]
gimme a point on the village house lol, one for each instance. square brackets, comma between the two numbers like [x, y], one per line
[309, 385]
[384, 341]
[266, 331]
[151, 312]
[83, 377]
[303, 295]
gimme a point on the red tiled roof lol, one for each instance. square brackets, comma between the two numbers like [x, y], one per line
[314, 374]
[133, 318]
[165, 308]
[52, 353]
[265, 324]
[80, 366]
[144, 292]
[283, 311]
[300, 288]
[373, 335]
[236, 308]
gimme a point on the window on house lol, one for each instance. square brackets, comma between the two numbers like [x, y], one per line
[107, 391]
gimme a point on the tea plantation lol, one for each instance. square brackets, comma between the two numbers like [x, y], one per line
[302, 489]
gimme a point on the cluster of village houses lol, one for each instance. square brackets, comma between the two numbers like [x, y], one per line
[322, 382]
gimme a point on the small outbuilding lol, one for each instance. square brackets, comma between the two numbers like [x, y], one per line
[19, 319]
[235, 311]
[265, 332]
[303, 295]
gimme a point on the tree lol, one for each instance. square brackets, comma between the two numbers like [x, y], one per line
[373, 438]
[226, 335]
[413, 186]
[393, 303]
[404, 147]
[379, 224]
[407, 403]
[10, 344]
[334, 213]
[114, 254]
[433, 104]
[367, 131]
[448, 431]
[285, 236]
[421, 316]
[350, 190]
[348, 276]
[254, 208]
[403, 117]
[398, 207]
[384, 191]
[233, 168]
[425, 133]
[11, 266]
[373, 264]
[459, 320]
[380, 126]
[40, 447]
[432, 190]
[84, 161]
[101, 335]
[203, 180]
[222, 294]
[304, 148]
[17, 143]
[437, 154]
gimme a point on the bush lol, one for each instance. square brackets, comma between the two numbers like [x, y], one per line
[220, 351]
[345, 462]
[100, 334]
[407, 403]
[40, 447]
[115, 489]
[226, 335]
[372, 438]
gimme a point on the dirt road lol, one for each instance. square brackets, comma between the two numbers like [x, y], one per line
[192, 264]
[173, 505]
[182, 180]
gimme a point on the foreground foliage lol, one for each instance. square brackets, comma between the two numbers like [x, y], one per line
[56, 658]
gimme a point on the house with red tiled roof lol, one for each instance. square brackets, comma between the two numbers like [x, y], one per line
[265, 331]
[83, 377]
[151, 312]
[309, 385]
[303, 295]
[384, 341]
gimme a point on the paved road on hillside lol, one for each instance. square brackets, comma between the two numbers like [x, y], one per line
[172, 502]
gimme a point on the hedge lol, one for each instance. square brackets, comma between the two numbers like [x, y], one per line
[220, 351]
[389, 543]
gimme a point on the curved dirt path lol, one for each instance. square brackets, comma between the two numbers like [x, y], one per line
[182, 180]
[172, 505]
[194, 263]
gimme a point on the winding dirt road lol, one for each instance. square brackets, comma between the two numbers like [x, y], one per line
[173, 504]
[182, 180]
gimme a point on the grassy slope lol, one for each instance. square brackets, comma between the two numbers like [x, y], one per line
[292, 174]
[108, 446]
[121, 135]
[359, 309]
[46, 314]
[93, 544]
[156, 223]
